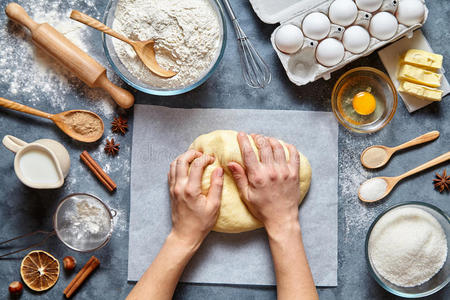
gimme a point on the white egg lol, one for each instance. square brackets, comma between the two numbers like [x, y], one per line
[369, 5]
[329, 52]
[383, 26]
[410, 12]
[356, 39]
[343, 12]
[316, 26]
[289, 38]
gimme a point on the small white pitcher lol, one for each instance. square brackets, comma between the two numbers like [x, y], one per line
[56, 151]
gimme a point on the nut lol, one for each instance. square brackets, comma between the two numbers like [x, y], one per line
[15, 288]
[69, 263]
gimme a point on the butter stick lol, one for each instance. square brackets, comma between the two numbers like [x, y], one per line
[420, 91]
[419, 76]
[425, 59]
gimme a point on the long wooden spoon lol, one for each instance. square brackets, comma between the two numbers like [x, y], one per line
[378, 155]
[377, 188]
[144, 49]
[64, 121]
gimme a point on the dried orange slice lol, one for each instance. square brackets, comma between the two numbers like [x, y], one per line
[39, 270]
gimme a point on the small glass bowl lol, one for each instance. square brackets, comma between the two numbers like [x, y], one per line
[120, 69]
[389, 94]
[439, 280]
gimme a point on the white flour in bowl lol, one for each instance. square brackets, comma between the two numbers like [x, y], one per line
[186, 35]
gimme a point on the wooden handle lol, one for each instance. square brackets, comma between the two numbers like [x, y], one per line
[23, 108]
[122, 97]
[89, 21]
[440, 159]
[430, 136]
[58, 46]
[16, 13]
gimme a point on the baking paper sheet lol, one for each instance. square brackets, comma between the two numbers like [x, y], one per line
[390, 56]
[160, 134]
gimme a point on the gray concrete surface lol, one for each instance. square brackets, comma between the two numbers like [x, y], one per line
[23, 209]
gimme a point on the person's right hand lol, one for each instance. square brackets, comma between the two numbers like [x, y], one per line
[193, 214]
[270, 187]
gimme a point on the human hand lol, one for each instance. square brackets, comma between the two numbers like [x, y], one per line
[270, 187]
[193, 214]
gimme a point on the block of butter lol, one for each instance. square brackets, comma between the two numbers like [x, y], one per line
[423, 59]
[419, 75]
[420, 91]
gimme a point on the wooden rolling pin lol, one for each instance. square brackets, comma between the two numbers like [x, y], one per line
[75, 59]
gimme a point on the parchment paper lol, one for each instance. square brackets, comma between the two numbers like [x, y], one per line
[160, 134]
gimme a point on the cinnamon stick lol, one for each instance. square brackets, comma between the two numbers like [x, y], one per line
[88, 268]
[95, 168]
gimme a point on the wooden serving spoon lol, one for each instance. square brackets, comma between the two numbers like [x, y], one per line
[144, 49]
[378, 155]
[58, 119]
[390, 182]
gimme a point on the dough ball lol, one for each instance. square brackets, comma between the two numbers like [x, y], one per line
[234, 216]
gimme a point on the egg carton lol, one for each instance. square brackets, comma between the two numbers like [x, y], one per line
[302, 66]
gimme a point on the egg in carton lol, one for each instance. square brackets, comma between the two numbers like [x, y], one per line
[315, 39]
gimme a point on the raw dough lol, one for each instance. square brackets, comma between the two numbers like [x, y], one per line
[234, 216]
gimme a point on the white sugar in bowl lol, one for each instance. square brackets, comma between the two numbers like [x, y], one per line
[316, 25]
[330, 52]
[383, 26]
[410, 12]
[343, 12]
[289, 38]
[356, 39]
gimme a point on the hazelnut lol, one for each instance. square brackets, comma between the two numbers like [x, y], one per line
[15, 288]
[69, 263]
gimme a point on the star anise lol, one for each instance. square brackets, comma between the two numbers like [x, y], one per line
[442, 182]
[111, 147]
[119, 125]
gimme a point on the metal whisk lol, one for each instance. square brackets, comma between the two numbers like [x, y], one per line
[255, 71]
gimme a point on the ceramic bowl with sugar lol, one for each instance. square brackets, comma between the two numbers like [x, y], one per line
[122, 68]
[436, 282]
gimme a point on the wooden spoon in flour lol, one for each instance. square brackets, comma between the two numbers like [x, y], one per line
[144, 49]
[81, 125]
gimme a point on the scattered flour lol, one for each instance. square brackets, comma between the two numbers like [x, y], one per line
[90, 219]
[32, 76]
[357, 215]
[186, 35]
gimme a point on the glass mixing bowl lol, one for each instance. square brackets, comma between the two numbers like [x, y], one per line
[439, 280]
[358, 80]
[132, 80]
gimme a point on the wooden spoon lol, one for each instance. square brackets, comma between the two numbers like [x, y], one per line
[390, 182]
[59, 119]
[144, 49]
[378, 155]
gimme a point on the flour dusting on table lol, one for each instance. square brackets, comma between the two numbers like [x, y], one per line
[186, 35]
[32, 76]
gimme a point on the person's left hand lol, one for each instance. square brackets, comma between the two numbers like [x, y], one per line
[193, 214]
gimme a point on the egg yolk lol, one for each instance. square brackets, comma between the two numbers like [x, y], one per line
[364, 103]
